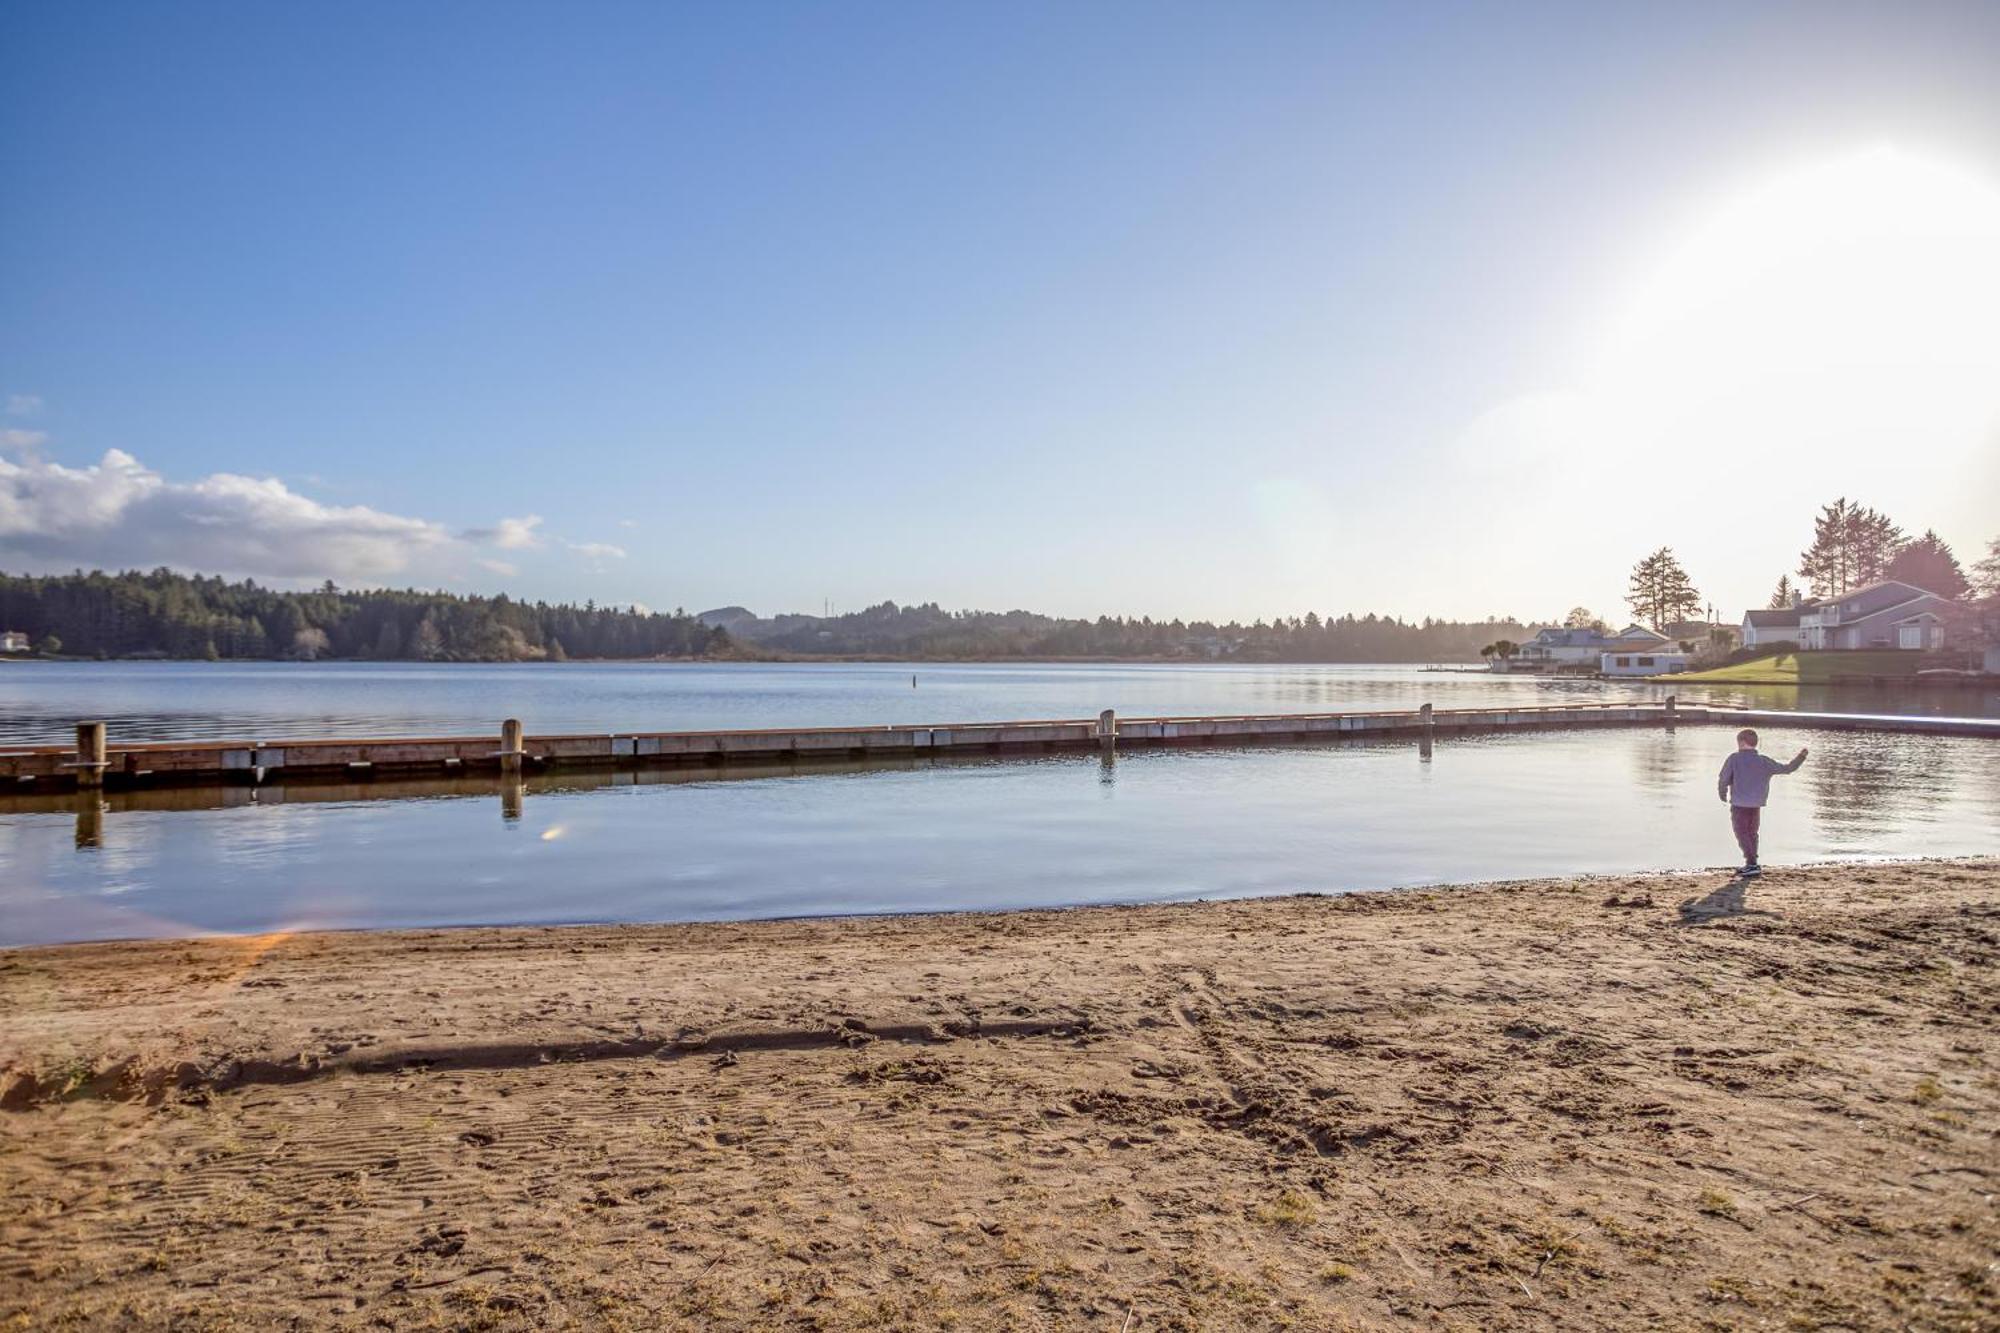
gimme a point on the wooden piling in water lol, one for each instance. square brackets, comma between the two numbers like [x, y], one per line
[1107, 730]
[92, 751]
[512, 745]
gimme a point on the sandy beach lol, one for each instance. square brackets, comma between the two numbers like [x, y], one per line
[1644, 1102]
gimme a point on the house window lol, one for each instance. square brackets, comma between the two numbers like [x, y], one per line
[1624, 661]
[1645, 661]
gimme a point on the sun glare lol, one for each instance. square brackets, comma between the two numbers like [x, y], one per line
[1854, 296]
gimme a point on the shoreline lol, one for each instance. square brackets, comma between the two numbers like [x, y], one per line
[1619, 1101]
[1579, 879]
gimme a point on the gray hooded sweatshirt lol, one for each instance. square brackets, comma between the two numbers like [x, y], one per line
[1746, 777]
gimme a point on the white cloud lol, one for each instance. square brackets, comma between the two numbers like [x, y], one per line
[23, 404]
[10, 438]
[500, 567]
[597, 550]
[117, 513]
[510, 534]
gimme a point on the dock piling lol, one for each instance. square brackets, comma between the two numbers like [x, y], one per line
[511, 746]
[1107, 730]
[92, 750]
[1671, 710]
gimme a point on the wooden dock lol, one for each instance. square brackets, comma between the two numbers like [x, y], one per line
[99, 760]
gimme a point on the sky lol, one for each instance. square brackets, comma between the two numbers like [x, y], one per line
[1206, 311]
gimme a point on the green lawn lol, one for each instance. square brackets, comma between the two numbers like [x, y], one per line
[1807, 668]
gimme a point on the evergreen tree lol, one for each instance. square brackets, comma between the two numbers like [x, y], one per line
[1928, 563]
[1851, 547]
[1784, 595]
[1660, 591]
[1986, 574]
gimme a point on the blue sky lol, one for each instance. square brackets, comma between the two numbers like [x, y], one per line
[1223, 310]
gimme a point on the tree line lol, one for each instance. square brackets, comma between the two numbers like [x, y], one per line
[929, 631]
[1852, 546]
[165, 614]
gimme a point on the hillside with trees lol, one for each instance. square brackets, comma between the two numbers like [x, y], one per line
[164, 614]
[930, 631]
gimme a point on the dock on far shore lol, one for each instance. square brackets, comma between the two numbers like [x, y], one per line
[97, 761]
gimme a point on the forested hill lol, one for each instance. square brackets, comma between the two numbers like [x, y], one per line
[163, 614]
[929, 631]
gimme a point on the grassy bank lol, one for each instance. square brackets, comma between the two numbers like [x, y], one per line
[1805, 669]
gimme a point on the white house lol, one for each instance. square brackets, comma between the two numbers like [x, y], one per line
[1583, 647]
[13, 641]
[1889, 614]
[1780, 625]
[1657, 662]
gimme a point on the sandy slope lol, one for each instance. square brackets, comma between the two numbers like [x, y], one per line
[1512, 1106]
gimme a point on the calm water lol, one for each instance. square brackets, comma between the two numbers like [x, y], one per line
[41, 702]
[1148, 826]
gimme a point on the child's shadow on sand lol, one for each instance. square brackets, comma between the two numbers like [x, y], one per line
[1725, 901]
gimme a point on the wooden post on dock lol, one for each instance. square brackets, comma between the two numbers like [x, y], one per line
[1670, 710]
[1427, 720]
[91, 754]
[1107, 730]
[510, 745]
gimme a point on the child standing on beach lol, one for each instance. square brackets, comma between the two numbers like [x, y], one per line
[1745, 784]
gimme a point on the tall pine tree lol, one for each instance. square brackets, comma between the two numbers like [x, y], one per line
[1660, 592]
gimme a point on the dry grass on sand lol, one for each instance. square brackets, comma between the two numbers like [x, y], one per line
[1559, 1105]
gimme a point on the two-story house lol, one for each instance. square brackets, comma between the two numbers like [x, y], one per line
[1889, 614]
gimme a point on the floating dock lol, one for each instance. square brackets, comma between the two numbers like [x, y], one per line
[98, 760]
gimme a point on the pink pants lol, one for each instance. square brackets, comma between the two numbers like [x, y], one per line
[1744, 818]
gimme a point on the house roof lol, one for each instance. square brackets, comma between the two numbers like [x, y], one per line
[1774, 619]
[1590, 638]
[1877, 596]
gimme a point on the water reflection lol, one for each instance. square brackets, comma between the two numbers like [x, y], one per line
[963, 832]
[40, 702]
[90, 809]
[1661, 759]
[1883, 782]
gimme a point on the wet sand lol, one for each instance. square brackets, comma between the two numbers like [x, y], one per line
[1603, 1103]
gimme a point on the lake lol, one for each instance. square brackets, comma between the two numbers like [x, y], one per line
[921, 835]
[40, 702]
